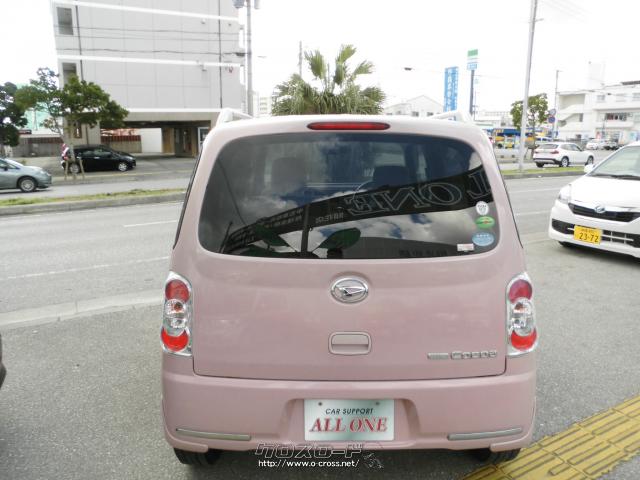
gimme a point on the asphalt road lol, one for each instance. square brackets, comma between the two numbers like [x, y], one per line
[82, 396]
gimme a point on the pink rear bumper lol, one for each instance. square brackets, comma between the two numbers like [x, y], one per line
[427, 412]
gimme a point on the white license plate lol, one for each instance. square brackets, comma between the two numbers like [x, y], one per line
[368, 420]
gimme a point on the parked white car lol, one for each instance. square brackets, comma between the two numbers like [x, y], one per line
[602, 145]
[562, 154]
[602, 209]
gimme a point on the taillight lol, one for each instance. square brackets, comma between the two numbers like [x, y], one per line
[344, 125]
[176, 316]
[554, 152]
[522, 335]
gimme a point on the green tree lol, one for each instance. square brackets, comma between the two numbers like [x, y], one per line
[11, 116]
[76, 104]
[538, 111]
[328, 92]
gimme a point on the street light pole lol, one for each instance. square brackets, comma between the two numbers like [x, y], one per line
[554, 130]
[249, 63]
[525, 102]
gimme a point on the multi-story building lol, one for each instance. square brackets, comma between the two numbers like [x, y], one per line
[610, 112]
[421, 106]
[173, 65]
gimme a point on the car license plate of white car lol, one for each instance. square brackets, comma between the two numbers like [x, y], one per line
[586, 234]
[345, 420]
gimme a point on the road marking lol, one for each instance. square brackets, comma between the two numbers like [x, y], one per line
[84, 269]
[585, 451]
[149, 223]
[546, 212]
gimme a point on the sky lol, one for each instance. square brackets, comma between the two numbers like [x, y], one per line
[424, 35]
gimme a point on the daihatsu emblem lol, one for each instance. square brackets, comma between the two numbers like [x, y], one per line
[600, 209]
[349, 290]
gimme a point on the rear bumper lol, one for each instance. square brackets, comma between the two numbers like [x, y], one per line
[427, 412]
[546, 160]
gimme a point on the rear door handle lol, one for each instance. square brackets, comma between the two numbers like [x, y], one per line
[349, 343]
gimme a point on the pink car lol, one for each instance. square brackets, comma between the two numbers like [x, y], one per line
[348, 280]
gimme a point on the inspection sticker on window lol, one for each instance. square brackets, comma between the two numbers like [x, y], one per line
[466, 247]
[482, 208]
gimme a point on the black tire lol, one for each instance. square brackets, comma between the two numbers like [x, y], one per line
[590, 160]
[567, 244]
[197, 458]
[540, 165]
[74, 168]
[564, 162]
[487, 456]
[123, 166]
[27, 184]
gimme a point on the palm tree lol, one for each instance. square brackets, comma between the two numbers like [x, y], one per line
[338, 92]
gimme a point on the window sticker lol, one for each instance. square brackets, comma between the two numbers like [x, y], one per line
[466, 247]
[483, 239]
[482, 208]
[485, 222]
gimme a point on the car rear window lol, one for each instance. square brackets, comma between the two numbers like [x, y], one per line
[548, 146]
[348, 196]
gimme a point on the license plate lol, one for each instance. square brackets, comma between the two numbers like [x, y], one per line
[586, 234]
[368, 420]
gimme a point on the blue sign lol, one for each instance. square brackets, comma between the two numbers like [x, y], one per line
[472, 66]
[450, 89]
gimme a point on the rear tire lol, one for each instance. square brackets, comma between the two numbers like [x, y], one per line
[540, 165]
[564, 163]
[486, 455]
[197, 458]
[74, 169]
[123, 166]
[27, 184]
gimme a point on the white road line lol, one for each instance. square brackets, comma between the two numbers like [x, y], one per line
[148, 223]
[546, 212]
[84, 269]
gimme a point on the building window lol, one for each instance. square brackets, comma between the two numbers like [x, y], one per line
[68, 70]
[65, 21]
[415, 114]
[636, 96]
[621, 117]
[621, 97]
[600, 99]
[77, 130]
[581, 117]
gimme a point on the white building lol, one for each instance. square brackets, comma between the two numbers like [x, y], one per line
[611, 112]
[421, 106]
[173, 65]
[489, 119]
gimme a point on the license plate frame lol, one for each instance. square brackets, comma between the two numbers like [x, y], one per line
[587, 234]
[361, 420]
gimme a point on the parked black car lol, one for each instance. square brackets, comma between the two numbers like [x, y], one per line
[3, 371]
[101, 157]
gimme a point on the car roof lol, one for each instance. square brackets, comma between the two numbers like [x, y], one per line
[401, 124]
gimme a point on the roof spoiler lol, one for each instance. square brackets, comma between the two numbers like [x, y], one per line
[455, 115]
[227, 115]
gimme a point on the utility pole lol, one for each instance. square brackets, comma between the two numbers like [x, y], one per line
[249, 63]
[554, 130]
[525, 103]
[300, 58]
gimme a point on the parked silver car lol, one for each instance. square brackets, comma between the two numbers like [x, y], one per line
[15, 175]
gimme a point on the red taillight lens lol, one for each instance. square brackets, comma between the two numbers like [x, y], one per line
[523, 343]
[176, 289]
[176, 317]
[348, 126]
[174, 344]
[520, 288]
[521, 325]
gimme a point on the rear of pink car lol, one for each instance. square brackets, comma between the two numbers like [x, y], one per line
[344, 280]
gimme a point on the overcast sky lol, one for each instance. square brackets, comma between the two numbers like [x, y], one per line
[426, 35]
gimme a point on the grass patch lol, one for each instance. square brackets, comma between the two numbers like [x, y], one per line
[78, 198]
[542, 171]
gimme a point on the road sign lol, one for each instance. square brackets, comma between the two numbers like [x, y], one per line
[552, 112]
[551, 119]
[472, 59]
[450, 89]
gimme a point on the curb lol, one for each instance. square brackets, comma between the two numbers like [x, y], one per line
[541, 175]
[90, 204]
[79, 309]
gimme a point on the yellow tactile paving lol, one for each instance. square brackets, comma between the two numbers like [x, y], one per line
[585, 451]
